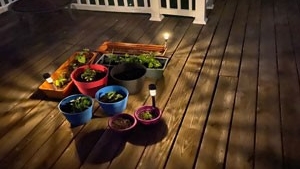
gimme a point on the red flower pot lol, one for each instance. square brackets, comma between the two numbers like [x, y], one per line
[90, 88]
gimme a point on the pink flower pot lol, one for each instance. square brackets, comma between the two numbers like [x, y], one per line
[123, 116]
[156, 113]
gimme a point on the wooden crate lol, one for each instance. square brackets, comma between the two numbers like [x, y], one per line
[131, 48]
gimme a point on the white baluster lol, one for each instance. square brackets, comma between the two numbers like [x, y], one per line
[155, 11]
[200, 12]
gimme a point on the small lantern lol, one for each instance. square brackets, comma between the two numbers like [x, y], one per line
[166, 38]
[48, 78]
[152, 90]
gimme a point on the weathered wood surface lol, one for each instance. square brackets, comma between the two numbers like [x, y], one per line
[230, 94]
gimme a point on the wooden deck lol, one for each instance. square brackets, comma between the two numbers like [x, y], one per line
[230, 94]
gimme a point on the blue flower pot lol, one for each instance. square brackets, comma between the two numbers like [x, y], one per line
[76, 119]
[115, 107]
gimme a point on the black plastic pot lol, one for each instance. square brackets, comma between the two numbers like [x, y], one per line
[129, 75]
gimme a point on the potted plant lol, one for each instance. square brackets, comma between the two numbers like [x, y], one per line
[90, 78]
[61, 84]
[77, 109]
[148, 115]
[112, 99]
[155, 65]
[129, 75]
[122, 123]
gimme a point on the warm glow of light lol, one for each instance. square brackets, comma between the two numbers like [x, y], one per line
[166, 36]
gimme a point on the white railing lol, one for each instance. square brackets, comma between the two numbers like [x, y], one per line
[4, 5]
[157, 8]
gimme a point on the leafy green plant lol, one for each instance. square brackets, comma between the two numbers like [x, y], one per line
[88, 74]
[81, 58]
[111, 97]
[62, 80]
[79, 104]
[146, 115]
[147, 59]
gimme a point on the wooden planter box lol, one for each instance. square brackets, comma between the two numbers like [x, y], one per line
[131, 48]
[51, 90]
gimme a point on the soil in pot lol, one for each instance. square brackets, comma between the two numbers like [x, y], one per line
[148, 115]
[130, 74]
[121, 123]
[111, 97]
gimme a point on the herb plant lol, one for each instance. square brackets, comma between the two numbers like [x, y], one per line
[111, 97]
[62, 80]
[88, 74]
[147, 59]
[146, 115]
[79, 104]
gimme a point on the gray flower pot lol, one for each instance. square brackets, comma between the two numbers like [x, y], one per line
[129, 75]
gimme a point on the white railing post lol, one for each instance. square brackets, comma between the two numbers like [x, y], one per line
[200, 12]
[155, 11]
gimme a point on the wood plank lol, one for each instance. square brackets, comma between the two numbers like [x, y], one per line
[108, 29]
[53, 147]
[28, 122]
[185, 147]
[241, 142]
[213, 147]
[207, 86]
[268, 152]
[142, 29]
[288, 84]
[9, 118]
[80, 147]
[33, 141]
[232, 56]
[294, 25]
[16, 94]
